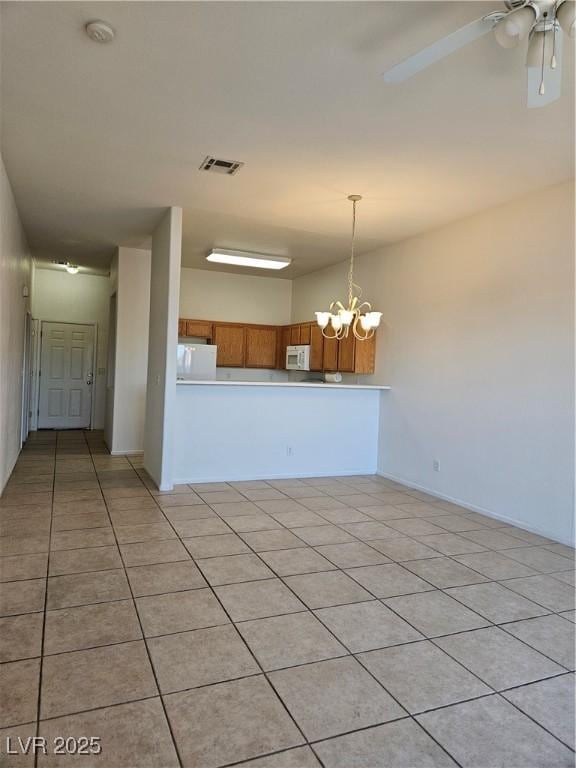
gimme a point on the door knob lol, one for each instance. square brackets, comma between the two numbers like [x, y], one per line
[89, 379]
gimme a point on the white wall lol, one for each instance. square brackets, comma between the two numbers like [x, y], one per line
[15, 269]
[130, 282]
[60, 297]
[245, 433]
[161, 413]
[477, 343]
[206, 295]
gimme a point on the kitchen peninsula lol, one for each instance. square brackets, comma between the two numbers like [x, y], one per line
[228, 430]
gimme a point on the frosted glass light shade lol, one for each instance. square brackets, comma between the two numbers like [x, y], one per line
[365, 322]
[346, 316]
[374, 319]
[336, 321]
[566, 15]
[322, 318]
[515, 27]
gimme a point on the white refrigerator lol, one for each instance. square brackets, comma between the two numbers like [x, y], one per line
[196, 362]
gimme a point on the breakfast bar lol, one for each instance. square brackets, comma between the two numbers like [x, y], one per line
[247, 430]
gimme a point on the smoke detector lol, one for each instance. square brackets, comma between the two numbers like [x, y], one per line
[215, 165]
[100, 32]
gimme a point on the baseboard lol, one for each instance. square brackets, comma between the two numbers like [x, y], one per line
[239, 478]
[4, 482]
[135, 452]
[475, 508]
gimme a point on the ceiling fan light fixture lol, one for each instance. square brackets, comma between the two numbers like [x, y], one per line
[566, 15]
[515, 27]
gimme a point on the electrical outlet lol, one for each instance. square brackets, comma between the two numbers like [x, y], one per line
[436, 465]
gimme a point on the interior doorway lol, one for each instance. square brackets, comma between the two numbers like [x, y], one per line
[66, 376]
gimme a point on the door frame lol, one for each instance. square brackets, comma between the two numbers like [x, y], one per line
[27, 355]
[36, 377]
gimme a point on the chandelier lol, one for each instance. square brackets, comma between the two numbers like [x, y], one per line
[358, 315]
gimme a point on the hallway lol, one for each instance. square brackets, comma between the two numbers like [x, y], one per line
[342, 620]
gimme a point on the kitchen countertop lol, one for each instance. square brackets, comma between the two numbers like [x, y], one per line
[289, 384]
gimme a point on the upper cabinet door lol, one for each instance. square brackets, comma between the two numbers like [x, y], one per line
[230, 340]
[283, 342]
[365, 356]
[295, 335]
[201, 329]
[261, 347]
[330, 355]
[316, 348]
[305, 334]
[346, 348]
[181, 327]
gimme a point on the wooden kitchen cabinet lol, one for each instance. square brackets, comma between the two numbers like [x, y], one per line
[199, 328]
[346, 350]
[294, 335]
[330, 355]
[261, 347]
[283, 342]
[316, 348]
[231, 343]
[349, 355]
[264, 346]
[365, 356]
[305, 334]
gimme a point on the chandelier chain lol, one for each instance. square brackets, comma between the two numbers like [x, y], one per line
[351, 270]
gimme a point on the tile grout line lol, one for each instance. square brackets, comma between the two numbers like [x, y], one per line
[152, 668]
[430, 639]
[308, 609]
[253, 656]
[43, 634]
[350, 654]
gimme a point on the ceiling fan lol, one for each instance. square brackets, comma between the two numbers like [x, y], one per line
[541, 21]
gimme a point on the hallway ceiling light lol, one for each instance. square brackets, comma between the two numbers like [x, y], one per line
[72, 269]
[358, 315]
[247, 259]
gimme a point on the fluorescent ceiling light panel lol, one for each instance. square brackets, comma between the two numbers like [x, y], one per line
[247, 259]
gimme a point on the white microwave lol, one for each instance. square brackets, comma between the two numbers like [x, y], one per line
[298, 357]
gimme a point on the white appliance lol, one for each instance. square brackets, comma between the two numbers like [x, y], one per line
[196, 362]
[298, 357]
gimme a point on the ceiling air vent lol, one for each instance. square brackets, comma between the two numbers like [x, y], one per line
[215, 165]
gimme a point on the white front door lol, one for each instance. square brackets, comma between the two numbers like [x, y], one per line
[66, 376]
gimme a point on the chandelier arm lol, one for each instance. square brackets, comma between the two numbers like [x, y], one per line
[365, 335]
[336, 335]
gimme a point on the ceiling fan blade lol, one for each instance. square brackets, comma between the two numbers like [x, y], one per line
[442, 48]
[552, 77]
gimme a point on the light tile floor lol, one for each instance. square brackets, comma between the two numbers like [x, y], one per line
[338, 622]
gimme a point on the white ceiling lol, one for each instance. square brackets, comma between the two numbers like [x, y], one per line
[98, 139]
